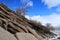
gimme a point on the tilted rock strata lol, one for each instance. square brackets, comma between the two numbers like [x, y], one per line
[14, 23]
[5, 35]
[26, 36]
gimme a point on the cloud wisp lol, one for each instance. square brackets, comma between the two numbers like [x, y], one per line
[51, 3]
[28, 3]
[53, 19]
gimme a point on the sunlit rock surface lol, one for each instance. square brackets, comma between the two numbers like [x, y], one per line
[11, 23]
[4, 35]
[25, 36]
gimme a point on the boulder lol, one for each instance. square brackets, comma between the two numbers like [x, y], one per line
[25, 36]
[5, 35]
[58, 38]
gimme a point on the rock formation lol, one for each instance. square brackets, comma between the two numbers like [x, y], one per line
[26, 36]
[5, 35]
[14, 23]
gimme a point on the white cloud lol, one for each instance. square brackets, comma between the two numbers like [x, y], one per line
[54, 19]
[51, 3]
[28, 17]
[28, 3]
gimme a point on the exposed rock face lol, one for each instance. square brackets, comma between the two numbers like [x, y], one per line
[5, 35]
[26, 36]
[58, 38]
[14, 23]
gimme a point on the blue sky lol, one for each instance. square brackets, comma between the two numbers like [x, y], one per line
[44, 11]
[38, 7]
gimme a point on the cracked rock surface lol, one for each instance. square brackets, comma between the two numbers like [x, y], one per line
[25, 36]
[5, 35]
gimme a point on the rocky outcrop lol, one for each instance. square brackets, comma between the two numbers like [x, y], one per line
[14, 23]
[26, 36]
[5, 35]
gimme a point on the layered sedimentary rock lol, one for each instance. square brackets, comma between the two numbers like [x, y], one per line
[14, 23]
[5, 35]
[26, 36]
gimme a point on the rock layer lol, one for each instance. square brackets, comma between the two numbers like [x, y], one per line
[14, 23]
[5, 35]
[25, 36]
